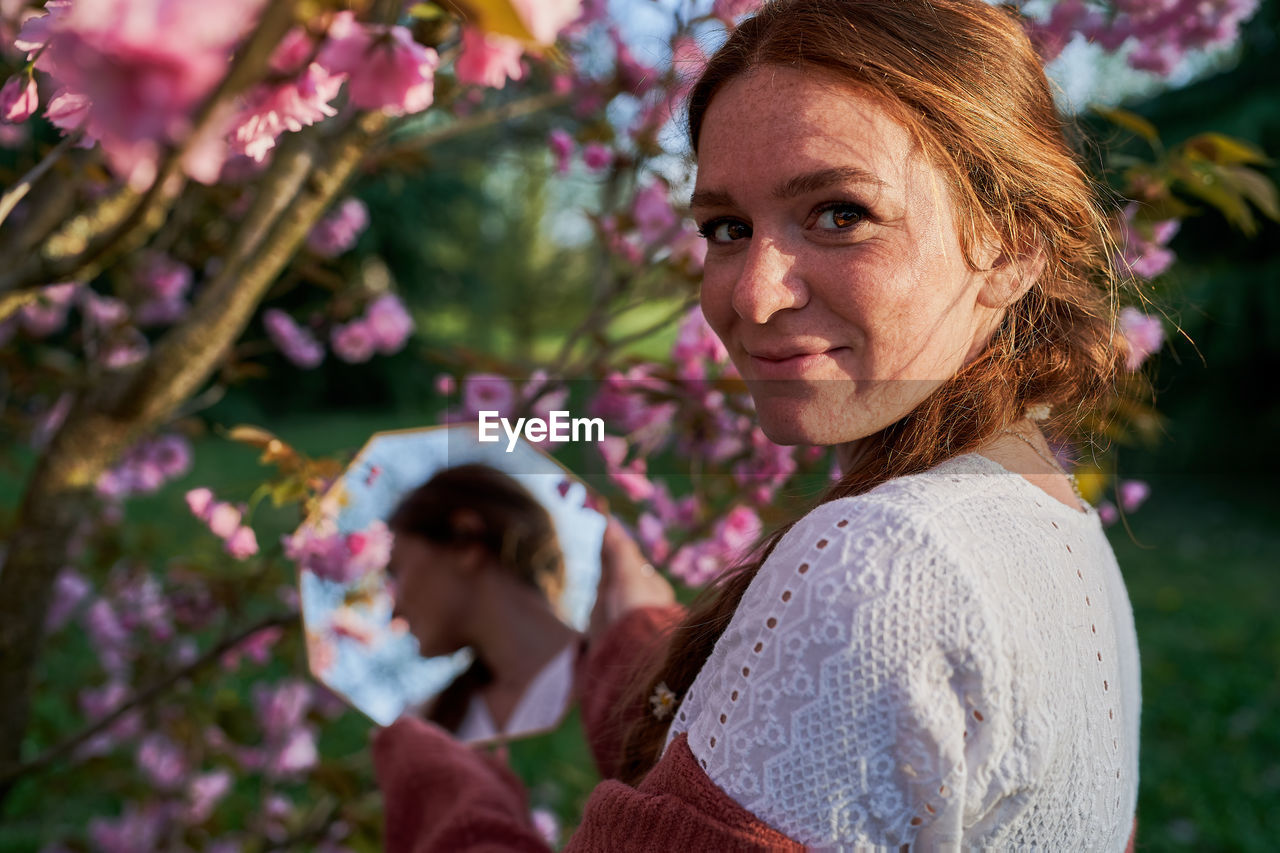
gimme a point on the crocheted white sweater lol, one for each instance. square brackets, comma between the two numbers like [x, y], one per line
[948, 661]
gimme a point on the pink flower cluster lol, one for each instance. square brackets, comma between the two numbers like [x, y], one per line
[384, 328]
[164, 283]
[297, 343]
[1130, 494]
[301, 100]
[226, 521]
[595, 156]
[1145, 245]
[337, 557]
[1143, 333]
[146, 467]
[338, 231]
[387, 70]
[701, 562]
[488, 59]
[656, 227]
[131, 73]
[1159, 33]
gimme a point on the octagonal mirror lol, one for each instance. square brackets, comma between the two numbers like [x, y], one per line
[452, 579]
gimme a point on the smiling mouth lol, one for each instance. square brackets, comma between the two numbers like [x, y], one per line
[794, 365]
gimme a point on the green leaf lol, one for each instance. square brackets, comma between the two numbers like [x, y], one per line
[1208, 182]
[1225, 150]
[1129, 121]
[1256, 187]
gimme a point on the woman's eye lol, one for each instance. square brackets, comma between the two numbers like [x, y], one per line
[839, 216]
[724, 230]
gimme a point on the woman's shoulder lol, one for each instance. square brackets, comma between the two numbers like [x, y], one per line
[956, 510]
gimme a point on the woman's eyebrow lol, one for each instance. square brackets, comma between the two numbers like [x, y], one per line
[792, 187]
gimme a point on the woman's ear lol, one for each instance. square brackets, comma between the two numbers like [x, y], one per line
[1009, 275]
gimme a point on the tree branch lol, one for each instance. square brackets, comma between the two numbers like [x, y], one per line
[144, 697]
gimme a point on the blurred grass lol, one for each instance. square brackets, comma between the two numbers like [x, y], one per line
[1201, 567]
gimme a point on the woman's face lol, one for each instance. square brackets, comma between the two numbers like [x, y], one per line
[431, 593]
[834, 272]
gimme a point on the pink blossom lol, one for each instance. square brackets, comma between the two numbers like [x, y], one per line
[632, 477]
[147, 466]
[125, 348]
[652, 211]
[561, 149]
[546, 18]
[596, 156]
[296, 343]
[200, 502]
[204, 792]
[281, 707]
[634, 76]
[224, 519]
[696, 346]
[271, 109]
[242, 543]
[1143, 333]
[110, 639]
[369, 549]
[142, 603]
[728, 11]
[353, 342]
[1133, 494]
[161, 761]
[1145, 251]
[737, 532]
[445, 384]
[165, 283]
[18, 100]
[387, 69]
[1107, 513]
[338, 231]
[138, 828]
[547, 825]
[487, 392]
[103, 311]
[488, 59]
[143, 66]
[323, 553]
[257, 647]
[69, 591]
[389, 323]
[652, 536]
[48, 313]
[696, 564]
[768, 467]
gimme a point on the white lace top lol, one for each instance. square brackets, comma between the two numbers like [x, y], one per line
[947, 661]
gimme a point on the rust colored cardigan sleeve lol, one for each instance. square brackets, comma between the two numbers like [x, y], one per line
[608, 668]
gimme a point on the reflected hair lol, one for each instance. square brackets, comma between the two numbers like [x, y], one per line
[963, 78]
[515, 529]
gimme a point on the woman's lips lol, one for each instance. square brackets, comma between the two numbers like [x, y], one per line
[799, 366]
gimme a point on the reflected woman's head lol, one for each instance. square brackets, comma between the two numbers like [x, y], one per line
[467, 525]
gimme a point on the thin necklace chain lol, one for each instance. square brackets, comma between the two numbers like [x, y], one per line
[1054, 463]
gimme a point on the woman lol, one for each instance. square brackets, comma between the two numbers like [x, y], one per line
[476, 564]
[906, 262]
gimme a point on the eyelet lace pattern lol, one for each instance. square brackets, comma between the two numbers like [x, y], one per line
[948, 661]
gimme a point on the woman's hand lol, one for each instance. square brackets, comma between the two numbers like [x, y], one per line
[627, 581]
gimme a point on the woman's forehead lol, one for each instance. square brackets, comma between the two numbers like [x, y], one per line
[812, 119]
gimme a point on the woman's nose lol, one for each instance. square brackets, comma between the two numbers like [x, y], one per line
[768, 282]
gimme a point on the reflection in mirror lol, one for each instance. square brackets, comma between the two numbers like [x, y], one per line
[450, 578]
